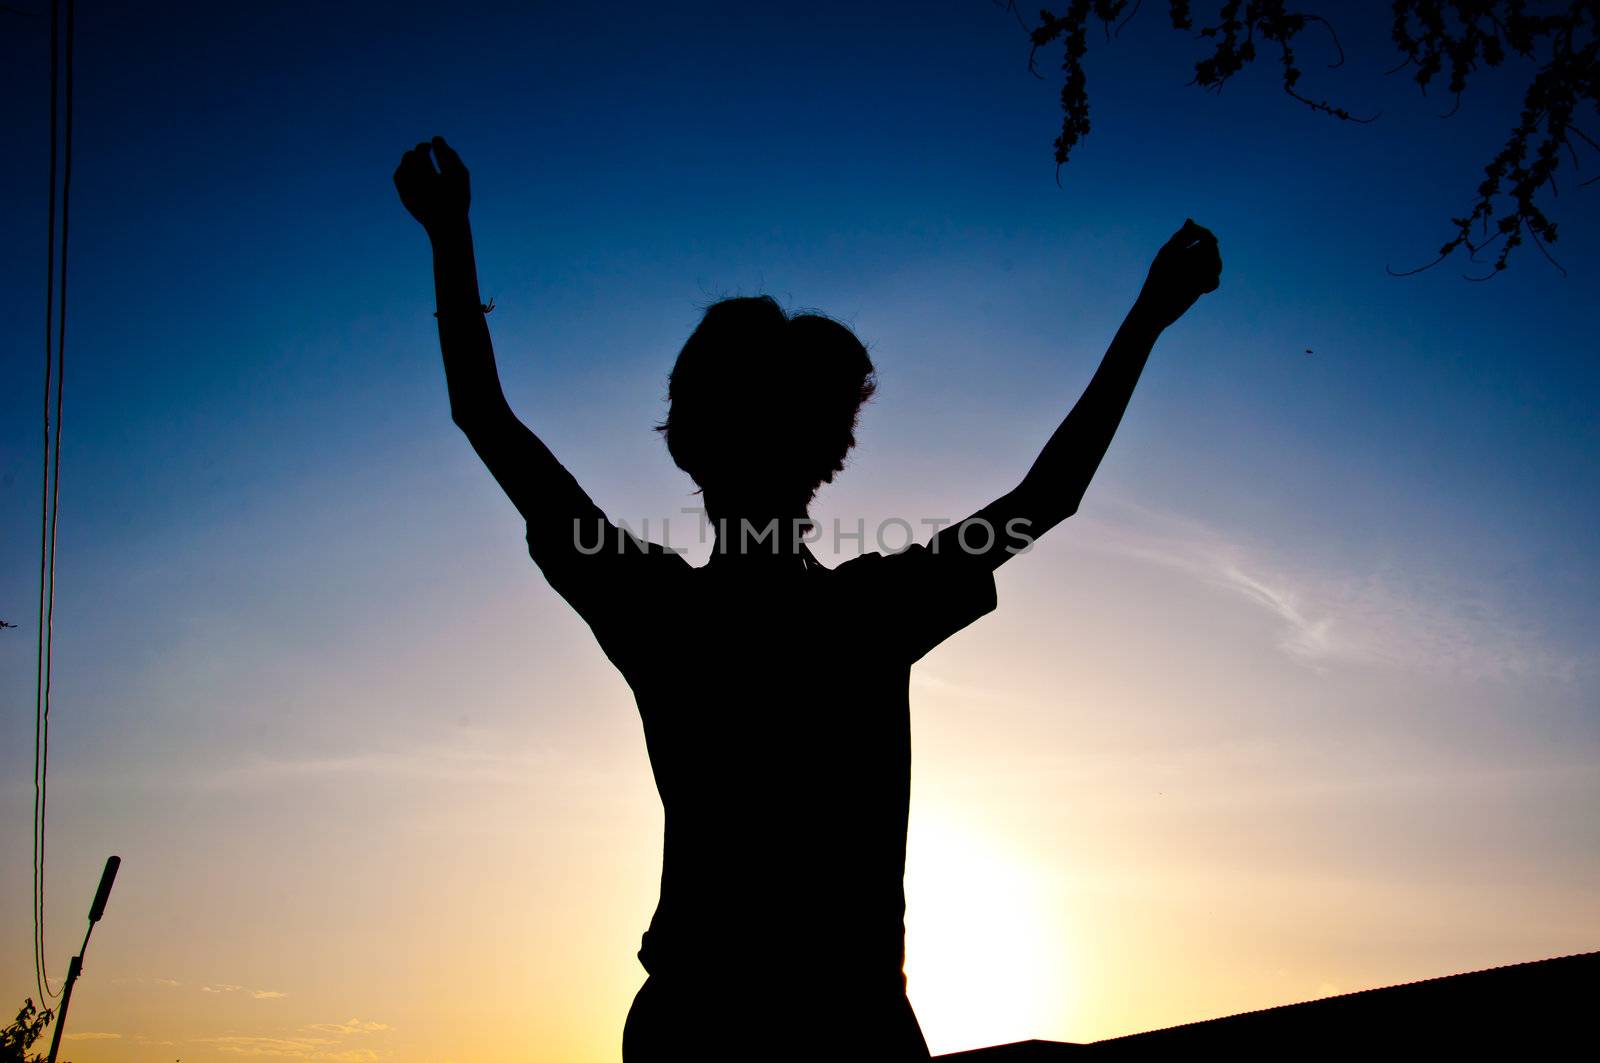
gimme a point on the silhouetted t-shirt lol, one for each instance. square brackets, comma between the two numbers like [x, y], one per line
[776, 716]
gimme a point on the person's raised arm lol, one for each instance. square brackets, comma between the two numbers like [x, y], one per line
[1187, 266]
[524, 467]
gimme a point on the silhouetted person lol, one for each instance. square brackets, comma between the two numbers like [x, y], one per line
[772, 689]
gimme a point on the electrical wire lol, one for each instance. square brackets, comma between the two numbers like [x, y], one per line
[55, 343]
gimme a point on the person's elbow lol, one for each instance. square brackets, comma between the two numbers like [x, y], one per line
[1041, 508]
[477, 419]
[470, 425]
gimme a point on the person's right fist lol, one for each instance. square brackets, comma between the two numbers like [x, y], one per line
[438, 198]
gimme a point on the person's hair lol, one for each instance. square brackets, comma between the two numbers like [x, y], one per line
[761, 402]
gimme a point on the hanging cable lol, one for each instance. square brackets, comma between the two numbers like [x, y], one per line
[44, 518]
[55, 343]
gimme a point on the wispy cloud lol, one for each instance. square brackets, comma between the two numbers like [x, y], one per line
[353, 1026]
[1376, 615]
[322, 1042]
[258, 994]
[321, 1049]
[90, 1035]
[922, 679]
[430, 764]
[167, 982]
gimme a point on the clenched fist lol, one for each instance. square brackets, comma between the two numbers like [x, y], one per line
[438, 198]
[1188, 266]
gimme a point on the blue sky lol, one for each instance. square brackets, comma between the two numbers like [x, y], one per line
[278, 560]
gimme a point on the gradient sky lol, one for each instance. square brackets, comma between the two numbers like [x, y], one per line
[1304, 700]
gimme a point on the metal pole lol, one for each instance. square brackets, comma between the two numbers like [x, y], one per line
[66, 998]
[75, 968]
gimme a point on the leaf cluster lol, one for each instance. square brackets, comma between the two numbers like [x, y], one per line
[1440, 41]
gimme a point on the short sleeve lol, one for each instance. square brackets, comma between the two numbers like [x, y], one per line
[921, 596]
[610, 577]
